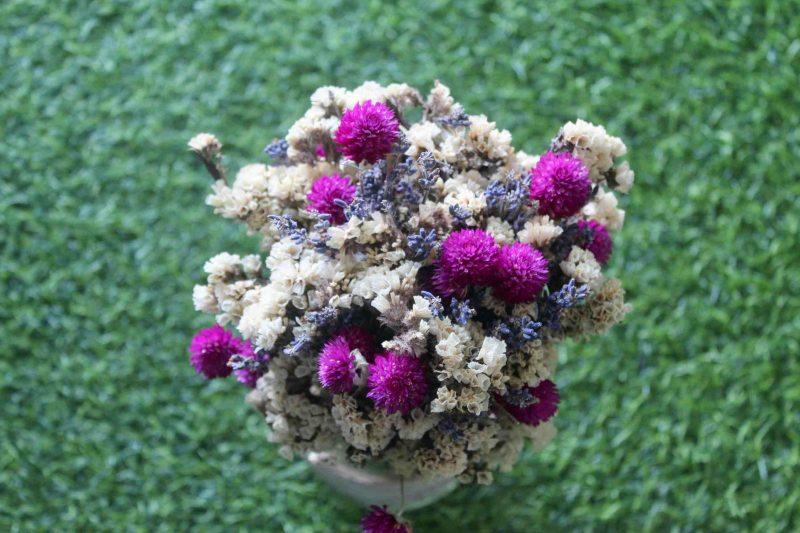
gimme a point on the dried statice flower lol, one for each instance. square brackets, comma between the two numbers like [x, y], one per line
[451, 429]
[207, 148]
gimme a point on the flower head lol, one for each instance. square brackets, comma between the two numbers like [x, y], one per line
[397, 382]
[211, 348]
[367, 131]
[359, 339]
[380, 520]
[601, 244]
[543, 407]
[521, 273]
[324, 193]
[337, 366]
[560, 183]
[469, 257]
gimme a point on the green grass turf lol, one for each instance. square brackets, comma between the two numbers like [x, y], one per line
[684, 418]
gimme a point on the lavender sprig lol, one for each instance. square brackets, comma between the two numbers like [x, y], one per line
[435, 303]
[461, 311]
[569, 295]
[277, 151]
[297, 345]
[287, 226]
[509, 199]
[257, 365]
[323, 317]
[457, 118]
[459, 213]
[517, 331]
[422, 243]
[520, 397]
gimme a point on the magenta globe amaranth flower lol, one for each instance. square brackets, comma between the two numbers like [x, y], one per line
[600, 245]
[560, 183]
[468, 257]
[397, 382]
[211, 348]
[359, 339]
[522, 272]
[542, 408]
[324, 193]
[337, 369]
[380, 520]
[367, 132]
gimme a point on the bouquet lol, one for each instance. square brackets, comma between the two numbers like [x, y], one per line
[416, 279]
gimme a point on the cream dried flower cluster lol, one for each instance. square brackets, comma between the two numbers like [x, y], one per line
[416, 280]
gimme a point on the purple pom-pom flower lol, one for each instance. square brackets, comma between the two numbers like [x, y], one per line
[397, 382]
[560, 183]
[542, 409]
[324, 193]
[211, 348]
[380, 520]
[521, 273]
[337, 369]
[359, 339]
[367, 131]
[600, 245]
[468, 257]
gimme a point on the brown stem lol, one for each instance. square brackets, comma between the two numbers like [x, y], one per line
[215, 169]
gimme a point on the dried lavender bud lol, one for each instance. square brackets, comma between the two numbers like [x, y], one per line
[437, 309]
[277, 151]
[422, 243]
[287, 226]
[461, 311]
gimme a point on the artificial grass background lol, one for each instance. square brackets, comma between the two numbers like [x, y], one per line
[685, 417]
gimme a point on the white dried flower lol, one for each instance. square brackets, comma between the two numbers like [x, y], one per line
[205, 144]
[539, 231]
